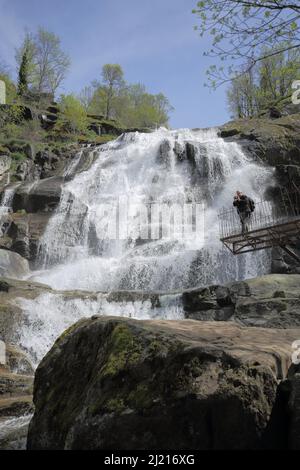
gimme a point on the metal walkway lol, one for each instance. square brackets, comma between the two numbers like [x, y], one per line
[271, 225]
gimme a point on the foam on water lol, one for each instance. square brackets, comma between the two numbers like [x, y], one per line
[47, 316]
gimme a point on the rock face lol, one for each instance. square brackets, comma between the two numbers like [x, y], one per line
[271, 301]
[5, 163]
[12, 264]
[112, 383]
[24, 232]
[276, 142]
[16, 379]
[43, 195]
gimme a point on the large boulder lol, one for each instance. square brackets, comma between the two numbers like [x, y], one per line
[112, 383]
[12, 264]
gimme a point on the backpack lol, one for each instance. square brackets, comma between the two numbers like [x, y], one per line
[251, 204]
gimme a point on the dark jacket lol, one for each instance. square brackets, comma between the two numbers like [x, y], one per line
[242, 204]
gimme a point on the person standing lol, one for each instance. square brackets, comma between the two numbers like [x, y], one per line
[245, 206]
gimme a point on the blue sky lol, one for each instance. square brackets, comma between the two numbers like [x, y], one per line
[153, 40]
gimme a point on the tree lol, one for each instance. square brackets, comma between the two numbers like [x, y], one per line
[47, 62]
[130, 104]
[267, 84]
[86, 96]
[23, 74]
[242, 96]
[72, 117]
[240, 28]
[112, 77]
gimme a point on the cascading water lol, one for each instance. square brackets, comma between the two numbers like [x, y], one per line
[164, 167]
[6, 205]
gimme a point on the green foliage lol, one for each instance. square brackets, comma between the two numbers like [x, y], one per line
[10, 115]
[11, 91]
[18, 156]
[129, 104]
[47, 64]
[32, 131]
[265, 85]
[112, 78]
[23, 74]
[238, 28]
[26, 131]
[72, 117]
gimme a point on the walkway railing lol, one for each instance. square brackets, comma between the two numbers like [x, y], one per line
[266, 214]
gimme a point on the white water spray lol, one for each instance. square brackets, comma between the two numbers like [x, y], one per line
[166, 167]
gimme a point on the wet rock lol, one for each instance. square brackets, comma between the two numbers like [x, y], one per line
[25, 232]
[191, 151]
[114, 383]
[12, 264]
[17, 361]
[11, 315]
[11, 318]
[13, 432]
[164, 155]
[180, 151]
[270, 301]
[15, 384]
[43, 195]
[16, 406]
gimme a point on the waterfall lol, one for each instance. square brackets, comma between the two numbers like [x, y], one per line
[6, 205]
[165, 167]
[91, 270]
